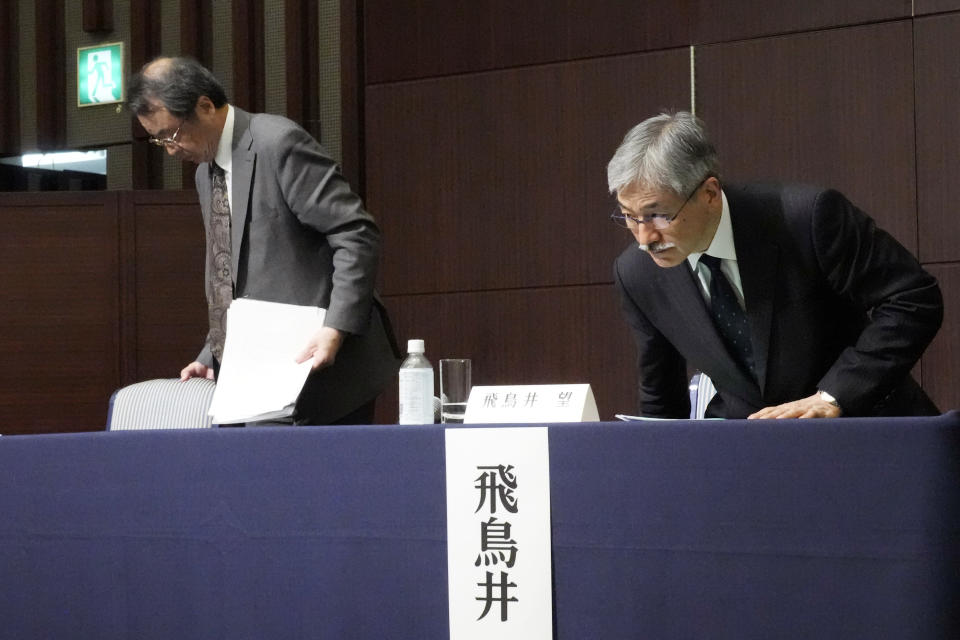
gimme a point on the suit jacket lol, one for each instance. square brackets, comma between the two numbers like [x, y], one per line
[833, 303]
[301, 236]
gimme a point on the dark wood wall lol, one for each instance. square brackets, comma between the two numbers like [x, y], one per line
[488, 126]
[100, 289]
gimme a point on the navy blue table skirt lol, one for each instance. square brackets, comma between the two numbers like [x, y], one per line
[739, 529]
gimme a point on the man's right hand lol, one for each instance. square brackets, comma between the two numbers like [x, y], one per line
[196, 370]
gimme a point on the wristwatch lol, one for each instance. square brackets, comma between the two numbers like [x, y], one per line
[829, 399]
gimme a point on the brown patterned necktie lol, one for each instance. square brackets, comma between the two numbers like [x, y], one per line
[219, 261]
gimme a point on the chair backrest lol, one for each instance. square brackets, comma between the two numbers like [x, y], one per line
[701, 393]
[165, 403]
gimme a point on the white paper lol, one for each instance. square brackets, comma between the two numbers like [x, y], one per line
[625, 417]
[259, 376]
[499, 478]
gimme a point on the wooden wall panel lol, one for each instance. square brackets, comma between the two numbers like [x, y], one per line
[10, 80]
[941, 362]
[727, 20]
[352, 92]
[51, 81]
[302, 23]
[196, 26]
[144, 47]
[248, 69]
[100, 289]
[498, 180]
[557, 335]
[171, 308]
[437, 37]
[59, 328]
[98, 16]
[832, 108]
[938, 135]
[196, 41]
[923, 7]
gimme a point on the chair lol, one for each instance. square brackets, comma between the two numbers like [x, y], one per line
[701, 393]
[165, 403]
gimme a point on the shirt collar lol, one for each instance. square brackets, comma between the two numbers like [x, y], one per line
[224, 156]
[722, 244]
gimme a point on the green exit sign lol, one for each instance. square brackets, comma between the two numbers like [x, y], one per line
[100, 74]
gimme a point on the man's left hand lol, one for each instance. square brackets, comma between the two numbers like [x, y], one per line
[812, 407]
[322, 348]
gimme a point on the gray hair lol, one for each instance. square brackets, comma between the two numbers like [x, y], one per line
[668, 151]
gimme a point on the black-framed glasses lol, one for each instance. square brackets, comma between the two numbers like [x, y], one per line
[656, 220]
[164, 142]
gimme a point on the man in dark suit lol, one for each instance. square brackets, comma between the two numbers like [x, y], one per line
[787, 296]
[282, 225]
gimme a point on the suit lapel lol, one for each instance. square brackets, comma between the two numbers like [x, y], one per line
[244, 160]
[758, 262]
[696, 329]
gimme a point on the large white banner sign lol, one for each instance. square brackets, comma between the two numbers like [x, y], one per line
[498, 533]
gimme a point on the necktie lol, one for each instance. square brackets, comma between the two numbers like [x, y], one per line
[729, 318]
[219, 261]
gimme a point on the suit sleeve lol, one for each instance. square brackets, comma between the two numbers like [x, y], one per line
[321, 198]
[868, 267]
[661, 370]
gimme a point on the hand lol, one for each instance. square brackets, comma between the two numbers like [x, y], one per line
[196, 370]
[812, 407]
[323, 347]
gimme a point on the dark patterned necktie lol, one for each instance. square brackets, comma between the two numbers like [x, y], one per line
[729, 318]
[219, 261]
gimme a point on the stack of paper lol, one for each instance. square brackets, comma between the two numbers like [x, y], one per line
[259, 377]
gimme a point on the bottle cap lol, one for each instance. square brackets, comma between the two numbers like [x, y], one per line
[414, 346]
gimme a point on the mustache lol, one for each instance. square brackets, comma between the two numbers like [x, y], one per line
[656, 247]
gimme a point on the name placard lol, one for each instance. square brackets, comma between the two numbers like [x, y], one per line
[531, 403]
[498, 533]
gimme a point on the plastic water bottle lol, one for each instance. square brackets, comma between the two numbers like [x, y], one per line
[416, 386]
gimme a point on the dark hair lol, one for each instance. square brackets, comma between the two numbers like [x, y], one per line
[177, 84]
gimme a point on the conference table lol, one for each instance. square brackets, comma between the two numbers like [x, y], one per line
[846, 528]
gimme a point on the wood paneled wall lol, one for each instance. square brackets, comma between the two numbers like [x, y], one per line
[60, 327]
[51, 78]
[488, 126]
[9, 80]
[835, 108]
[166, 318]
[100, 289]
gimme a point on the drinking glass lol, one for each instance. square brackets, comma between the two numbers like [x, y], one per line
[454, 389]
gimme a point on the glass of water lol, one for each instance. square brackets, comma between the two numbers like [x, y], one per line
[454, 389]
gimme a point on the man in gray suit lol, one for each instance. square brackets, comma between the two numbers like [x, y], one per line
[282, 225]
[790, 298]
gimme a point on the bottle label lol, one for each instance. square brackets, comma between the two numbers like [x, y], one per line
[416, 396]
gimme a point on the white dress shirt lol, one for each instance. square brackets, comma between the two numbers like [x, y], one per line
[224, 157]
[722, 247]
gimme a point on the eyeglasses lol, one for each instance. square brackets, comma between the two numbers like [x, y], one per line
[164, 142]
[656, 220]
